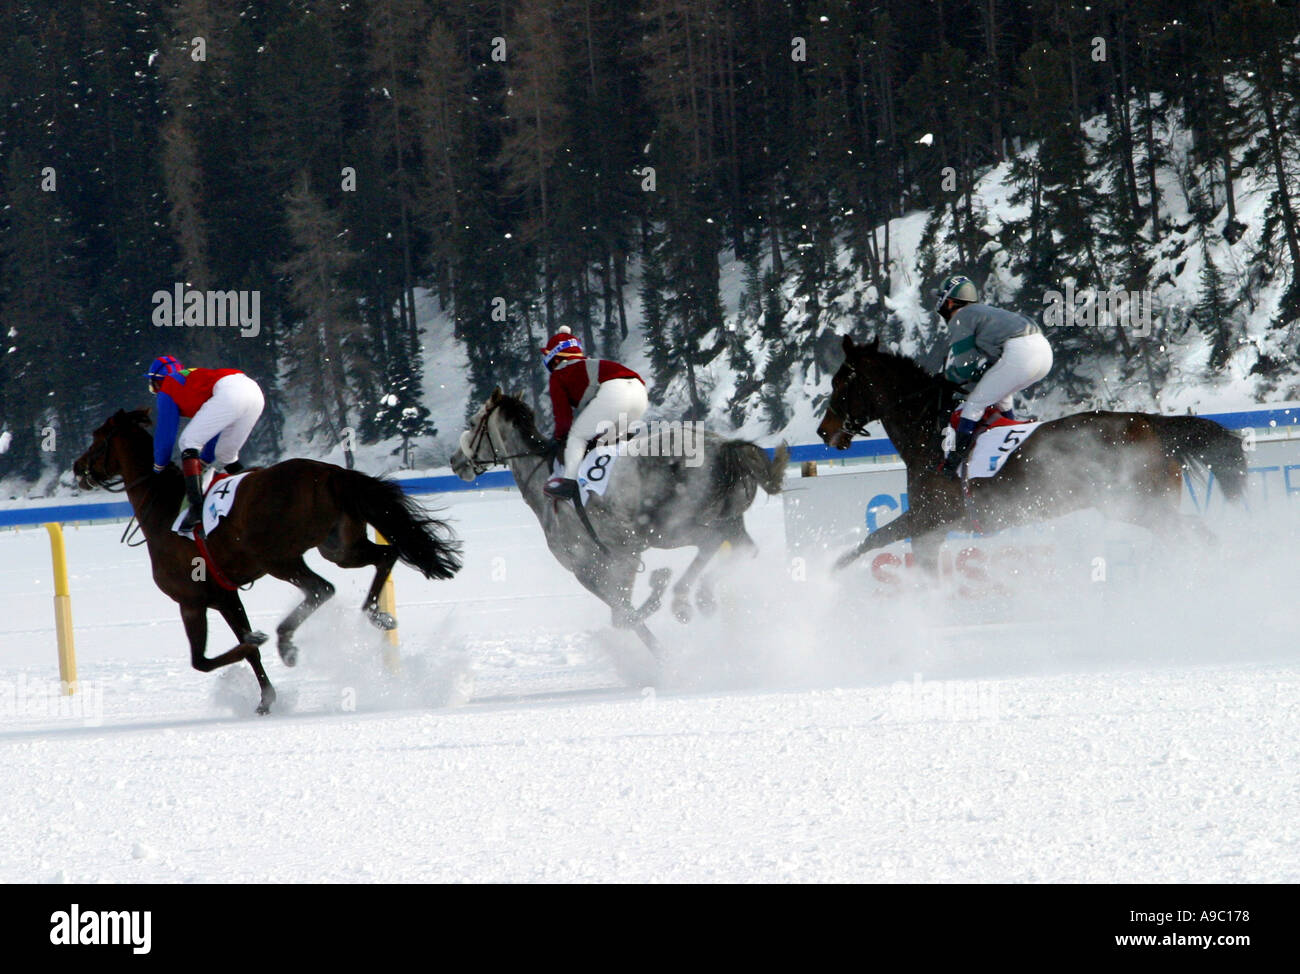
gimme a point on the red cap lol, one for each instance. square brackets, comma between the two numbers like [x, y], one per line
[563, 344]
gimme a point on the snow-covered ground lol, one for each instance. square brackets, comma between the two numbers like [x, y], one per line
[805, 732]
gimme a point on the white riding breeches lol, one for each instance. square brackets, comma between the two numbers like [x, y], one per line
[1024, 361]
[618, 403]
[229, 415]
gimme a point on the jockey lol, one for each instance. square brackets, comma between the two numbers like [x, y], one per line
[590, 397]
[998, 352]
[222, 404]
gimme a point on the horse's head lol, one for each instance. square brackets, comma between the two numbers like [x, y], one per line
[503, 429]
[474, 454]
[851, 406]
[102, 463]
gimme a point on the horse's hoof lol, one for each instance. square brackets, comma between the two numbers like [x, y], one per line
[268, 698]
[254, 638]
[705, 600]
[288, 653]
[682, 609]
[382, 620]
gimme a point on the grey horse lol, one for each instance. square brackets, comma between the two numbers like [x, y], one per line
[651, 501]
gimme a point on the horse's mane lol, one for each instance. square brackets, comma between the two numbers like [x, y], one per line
[519, 414]
[170, 483]
[909, 373]
[913, 372]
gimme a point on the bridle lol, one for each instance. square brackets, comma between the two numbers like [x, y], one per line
[847, 423]
[117, 486]
[855, 427]
[100, 452]
[480, 433]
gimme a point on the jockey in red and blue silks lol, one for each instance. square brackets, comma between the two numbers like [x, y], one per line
[222, 405]
[591, 398]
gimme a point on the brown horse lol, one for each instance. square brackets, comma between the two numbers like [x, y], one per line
[1129, 465]
[279, 513]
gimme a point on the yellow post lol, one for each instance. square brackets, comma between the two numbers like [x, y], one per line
[388, 603]
[63, 610]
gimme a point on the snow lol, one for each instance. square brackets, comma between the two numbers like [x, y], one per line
[806, 733]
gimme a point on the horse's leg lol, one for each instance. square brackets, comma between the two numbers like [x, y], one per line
[1155, 505]
[925, 555]
[682, 587]
[349, 547]
[647, 637]
[232, 610]
[658, 583]
[316, 591]
[740, 542]
[901, 527]
[195, 618]
[612, 582]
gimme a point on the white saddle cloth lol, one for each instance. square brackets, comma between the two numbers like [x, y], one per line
[216, 505]
[992, 447]
[594, 472]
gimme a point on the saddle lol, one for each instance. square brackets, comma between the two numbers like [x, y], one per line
[992, 418]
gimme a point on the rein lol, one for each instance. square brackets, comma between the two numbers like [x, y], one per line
[856, 428]
[118, 486]
[479, 466]
[498, 460]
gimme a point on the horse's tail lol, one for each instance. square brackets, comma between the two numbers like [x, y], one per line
[423, 542]
[773, 477]
[744, 461]
[1206, 447]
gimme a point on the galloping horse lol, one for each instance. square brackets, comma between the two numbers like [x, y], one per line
[279, 513]
[652, 501]
[1128, 464]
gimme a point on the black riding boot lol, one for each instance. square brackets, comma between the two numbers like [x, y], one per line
[561, 488]
[952, 462]
[233, 467]
[192, 467]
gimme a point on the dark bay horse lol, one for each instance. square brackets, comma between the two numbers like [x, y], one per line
[1129, 465]
[279, 513]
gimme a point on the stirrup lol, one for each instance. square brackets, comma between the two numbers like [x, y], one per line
[561, 488]
[952, 470]
[193, 517]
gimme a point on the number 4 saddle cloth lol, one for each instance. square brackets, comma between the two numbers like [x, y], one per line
[996, 438]
[216, 503]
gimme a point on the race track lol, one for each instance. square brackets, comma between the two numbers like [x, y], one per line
[808, 731]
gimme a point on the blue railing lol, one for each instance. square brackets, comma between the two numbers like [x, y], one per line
[494, 479]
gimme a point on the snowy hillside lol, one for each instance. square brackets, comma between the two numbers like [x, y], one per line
[920, 251]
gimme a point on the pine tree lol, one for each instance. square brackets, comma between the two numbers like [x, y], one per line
[532, 147]
[326, 349]
[1213, 314]
[41, 311]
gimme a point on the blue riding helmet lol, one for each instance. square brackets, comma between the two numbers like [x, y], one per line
[163, 366]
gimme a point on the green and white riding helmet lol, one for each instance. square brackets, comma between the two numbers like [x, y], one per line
[958, 288]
